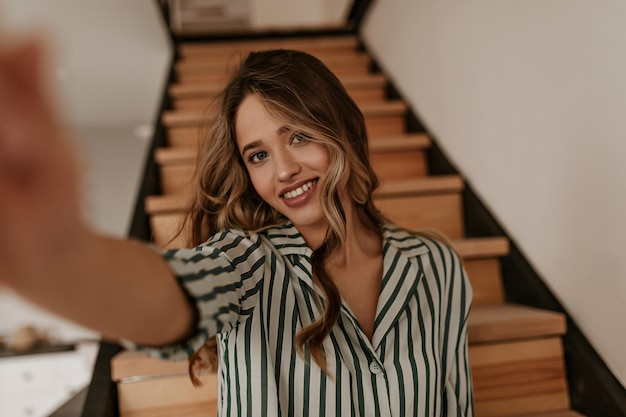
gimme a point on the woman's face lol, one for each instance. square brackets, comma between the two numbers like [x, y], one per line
[285, 167]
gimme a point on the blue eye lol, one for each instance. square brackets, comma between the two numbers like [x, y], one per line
[299, 138]
[257, 156]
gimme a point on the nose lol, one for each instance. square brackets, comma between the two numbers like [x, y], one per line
[286, 166]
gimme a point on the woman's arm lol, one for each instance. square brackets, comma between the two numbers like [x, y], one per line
[47, 253]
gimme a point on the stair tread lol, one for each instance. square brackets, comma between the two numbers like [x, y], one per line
[420, 185]
[562, 413]
[181, 118]
[482, 247]
[498, 322]
[403, 142]
[202, 89]
[175, 156]
[384, 108]
[131, 364]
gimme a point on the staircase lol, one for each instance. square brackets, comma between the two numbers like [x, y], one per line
[515, 351]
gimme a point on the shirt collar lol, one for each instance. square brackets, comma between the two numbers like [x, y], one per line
[405, 242]
[401, 271]
[288, 240]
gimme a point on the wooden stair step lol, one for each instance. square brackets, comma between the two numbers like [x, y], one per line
[492, 323]
[398, 143]
[392, 158]
[360, 97]
[189, 136]
[158, 204]
[481, 247]
[520, 377]
[168, 156]
[481, 260]
[380, 120]
[560, 413]
[401, 143]
[167, 396]
[189, 90]
[432, 202]
[510, 378]
[225, 75]
[343, 57]
[440, 184]
[337, 44]
[201, 98]
[196, 118]
[429, 185]
[429, 202]
[404, 142]
[399, 156]
[133, 365]
[191, 66]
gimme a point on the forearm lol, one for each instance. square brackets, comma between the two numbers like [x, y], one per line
[122, 289]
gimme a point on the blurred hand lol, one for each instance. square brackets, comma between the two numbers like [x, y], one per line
[40, 220]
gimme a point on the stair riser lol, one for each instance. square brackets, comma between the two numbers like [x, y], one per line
[486, 278]
[519, 377]
[200, 66]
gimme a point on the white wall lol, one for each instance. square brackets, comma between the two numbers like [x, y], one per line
[108, 57]
[528, 98]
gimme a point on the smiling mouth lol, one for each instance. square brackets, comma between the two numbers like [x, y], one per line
[299, 191]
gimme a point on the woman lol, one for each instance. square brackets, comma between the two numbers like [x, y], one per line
[318, 304]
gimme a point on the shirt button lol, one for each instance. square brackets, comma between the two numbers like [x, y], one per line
[375, 368]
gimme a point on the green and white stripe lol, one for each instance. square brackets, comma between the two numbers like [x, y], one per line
[255, 292]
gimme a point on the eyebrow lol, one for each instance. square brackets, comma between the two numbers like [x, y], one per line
[251, 145]
[257, 143]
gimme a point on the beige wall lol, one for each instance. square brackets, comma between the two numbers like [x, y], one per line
[528, 98]
[297, 13]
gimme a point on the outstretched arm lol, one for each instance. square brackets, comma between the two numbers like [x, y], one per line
[47, 253]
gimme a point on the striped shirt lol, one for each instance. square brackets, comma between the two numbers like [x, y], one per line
[255, 292]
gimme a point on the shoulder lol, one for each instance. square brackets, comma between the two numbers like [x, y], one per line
[230, 243]
[281, 239]
[417, 242]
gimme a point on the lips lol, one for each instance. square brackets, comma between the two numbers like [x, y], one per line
[298, 191]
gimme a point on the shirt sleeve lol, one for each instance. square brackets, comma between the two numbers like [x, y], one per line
[458, 393]
[221, 278]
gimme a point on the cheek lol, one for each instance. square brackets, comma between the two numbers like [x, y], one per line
[321, 157]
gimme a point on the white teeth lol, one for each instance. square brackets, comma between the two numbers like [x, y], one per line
[299, 191]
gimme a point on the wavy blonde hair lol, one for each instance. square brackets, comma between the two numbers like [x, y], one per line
[298, 89]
